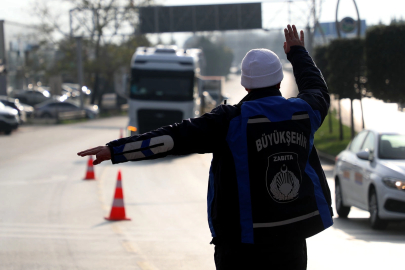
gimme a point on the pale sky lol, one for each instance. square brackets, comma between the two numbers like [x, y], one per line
[371, 10]
[274, 12]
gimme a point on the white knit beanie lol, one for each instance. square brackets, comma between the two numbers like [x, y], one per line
[261, 68]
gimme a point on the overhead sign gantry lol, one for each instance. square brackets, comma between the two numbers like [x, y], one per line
[163, 19]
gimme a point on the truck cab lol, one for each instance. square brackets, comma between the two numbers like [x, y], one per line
[163, 87]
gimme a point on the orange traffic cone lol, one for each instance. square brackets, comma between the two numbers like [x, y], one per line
[118, 208]
[90, 170]
[121, 133]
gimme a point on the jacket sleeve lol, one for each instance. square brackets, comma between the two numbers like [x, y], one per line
[311, 84]
[196, 135]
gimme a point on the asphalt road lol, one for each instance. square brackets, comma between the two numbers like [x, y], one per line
[52, 219]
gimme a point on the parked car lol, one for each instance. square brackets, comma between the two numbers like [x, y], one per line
[72, 90]
[370, 175]
[31, 97]
[55, 108]
[8, 119]
[69, 92]
[29, 110]
[207, 103]
[213, 85]
[76, 87]
[15, 104]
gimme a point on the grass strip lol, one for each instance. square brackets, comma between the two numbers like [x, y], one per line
[329, 143]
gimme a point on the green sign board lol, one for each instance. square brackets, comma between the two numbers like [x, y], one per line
[347, 25]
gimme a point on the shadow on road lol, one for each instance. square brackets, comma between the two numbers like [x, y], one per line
[105, 223]
[359, 229]
[81, 161]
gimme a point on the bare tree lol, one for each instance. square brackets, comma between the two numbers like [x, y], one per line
[99, 22]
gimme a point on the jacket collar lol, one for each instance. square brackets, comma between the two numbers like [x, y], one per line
[261, 93]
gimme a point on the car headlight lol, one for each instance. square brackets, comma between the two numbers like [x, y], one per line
[394, 183]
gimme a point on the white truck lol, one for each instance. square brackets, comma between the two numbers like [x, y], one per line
[163, 87]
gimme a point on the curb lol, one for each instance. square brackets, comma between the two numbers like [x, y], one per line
[325, 156]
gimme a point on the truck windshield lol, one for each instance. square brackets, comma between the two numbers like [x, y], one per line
[162, 85]
[392, 146]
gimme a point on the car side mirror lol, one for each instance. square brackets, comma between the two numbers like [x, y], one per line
[365, 155]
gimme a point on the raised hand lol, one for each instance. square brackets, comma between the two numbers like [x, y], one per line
[102, 153]
[292, 38]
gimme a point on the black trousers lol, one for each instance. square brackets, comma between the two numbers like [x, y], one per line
[286, 256]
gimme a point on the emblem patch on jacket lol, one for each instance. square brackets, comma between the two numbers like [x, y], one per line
[283, 177]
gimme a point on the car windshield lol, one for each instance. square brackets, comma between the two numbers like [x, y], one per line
[392, 146]
[162, 85]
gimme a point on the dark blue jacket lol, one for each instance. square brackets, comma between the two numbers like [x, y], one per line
[266, 183]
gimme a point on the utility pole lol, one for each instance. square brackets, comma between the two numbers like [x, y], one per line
[3, 67]
[314, 12]
[311, 30]
[80, 68]
[308, 42]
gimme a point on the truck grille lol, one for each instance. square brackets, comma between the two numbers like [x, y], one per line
[152, 119]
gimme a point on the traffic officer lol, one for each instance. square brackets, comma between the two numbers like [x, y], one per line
[267, 191]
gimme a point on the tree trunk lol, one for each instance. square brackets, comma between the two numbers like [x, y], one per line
[97, 71]
[351, 118]
[362, 113]
[330, 121]
[95, 95]
[340, 122]
[101, 90]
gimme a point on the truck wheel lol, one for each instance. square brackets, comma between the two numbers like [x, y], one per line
[343, 211]
[375, 221]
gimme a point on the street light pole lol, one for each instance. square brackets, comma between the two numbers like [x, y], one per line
[358, 20]
[3, 67]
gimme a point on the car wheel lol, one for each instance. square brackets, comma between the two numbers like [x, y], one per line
[46, 116]
[90, 115]
[8, 131]
[343, 211]
[375, 221]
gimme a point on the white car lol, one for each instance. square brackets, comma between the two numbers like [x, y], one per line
[9, 119]
[370, 175]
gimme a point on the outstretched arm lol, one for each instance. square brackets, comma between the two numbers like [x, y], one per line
[196, 135]
[311, 84]
[102, 153]
[292, 38]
